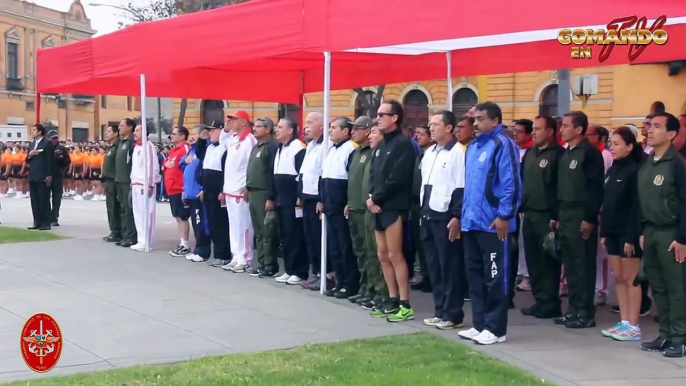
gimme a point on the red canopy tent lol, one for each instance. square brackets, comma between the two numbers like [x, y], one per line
[372, 42]
[284, 60]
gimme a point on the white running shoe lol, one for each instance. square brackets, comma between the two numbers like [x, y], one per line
[138, 247]
[238, 268]
[294, 280]
[283, 278]
[469, 334]
[487, 338]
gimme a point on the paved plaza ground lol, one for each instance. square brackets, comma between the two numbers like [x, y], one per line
[118, 308]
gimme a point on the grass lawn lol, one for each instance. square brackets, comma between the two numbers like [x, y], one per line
[416, 360]
[17, 235]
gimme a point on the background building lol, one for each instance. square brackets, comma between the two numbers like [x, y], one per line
[24, 29]
[625, 94]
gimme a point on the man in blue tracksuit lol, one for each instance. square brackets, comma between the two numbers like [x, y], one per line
[191, 166]
[492, 195]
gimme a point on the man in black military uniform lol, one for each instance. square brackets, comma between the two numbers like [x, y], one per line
[539, 176]
[107, 176]
[62, 161]
[260, 176]
[662, 196]
[122, 179]
[580, 179]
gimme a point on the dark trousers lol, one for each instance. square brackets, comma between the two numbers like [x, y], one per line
[446, 268]
[113, 208]
[40, 203]
[410, 244]
[128, 226]
[486, 258]
[668, 279]
[56, 191]
[579, 260]
[513, 264]
[340, 252]
[292, 241]
[544, 270]
[201, 229]
[312, 226]
[219, 226]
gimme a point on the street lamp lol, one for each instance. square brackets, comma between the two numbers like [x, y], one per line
[109, 5]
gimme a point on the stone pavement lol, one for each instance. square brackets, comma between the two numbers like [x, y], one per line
[119, 308]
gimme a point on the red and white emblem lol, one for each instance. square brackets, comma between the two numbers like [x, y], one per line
[41, 343]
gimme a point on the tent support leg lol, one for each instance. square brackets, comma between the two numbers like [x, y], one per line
[146, 162]
[449, 61]
[325, 123]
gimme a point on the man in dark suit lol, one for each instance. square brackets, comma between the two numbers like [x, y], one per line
[41, 163]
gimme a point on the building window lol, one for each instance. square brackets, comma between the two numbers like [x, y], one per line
[12, 60]
[79, 134]
[103, 101]
[360, 109]
[548, 103]
[463, 100]
[416, 106]
[290, 111]
[30, 106]
[212, 112]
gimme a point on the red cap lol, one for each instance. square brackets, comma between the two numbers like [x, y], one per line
[242, 114]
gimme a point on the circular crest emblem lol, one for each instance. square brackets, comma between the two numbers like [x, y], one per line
[123, 146]
[109, 153]
[259, 153]
[238, 146]
[41, 343]
[658, 180]
[363, 158]
[377, 153]
[543, 163]
[572, 165]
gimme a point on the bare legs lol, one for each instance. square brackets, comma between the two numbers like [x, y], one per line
[390, 250]
[628, 295]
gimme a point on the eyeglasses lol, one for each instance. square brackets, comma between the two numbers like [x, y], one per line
[379, 115]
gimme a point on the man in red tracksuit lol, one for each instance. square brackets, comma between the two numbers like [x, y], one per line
[173, 183]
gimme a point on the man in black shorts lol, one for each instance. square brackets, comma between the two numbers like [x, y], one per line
[390, 193]
[173, 183]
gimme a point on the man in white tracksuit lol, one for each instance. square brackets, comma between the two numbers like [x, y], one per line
[239, 145]
[143, 189]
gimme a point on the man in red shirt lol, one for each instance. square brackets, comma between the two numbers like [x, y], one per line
[173, 183]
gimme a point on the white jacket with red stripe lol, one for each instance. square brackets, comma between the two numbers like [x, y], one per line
[138, 166]
[238, 149]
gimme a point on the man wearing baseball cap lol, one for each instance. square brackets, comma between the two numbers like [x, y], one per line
[239, 145]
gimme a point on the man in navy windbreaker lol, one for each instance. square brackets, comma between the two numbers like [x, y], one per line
[192, 167]
[492, 195]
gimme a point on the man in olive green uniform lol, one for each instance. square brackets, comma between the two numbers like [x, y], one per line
[662, 196]
[539, 176]
[356, 208]
[122, 179]
[108, 174]
[260, 177]
[580, 180]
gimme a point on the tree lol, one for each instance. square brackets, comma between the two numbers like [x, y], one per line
[371, 107]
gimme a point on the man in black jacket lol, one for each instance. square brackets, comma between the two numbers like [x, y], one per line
[62, 162]
[41, 163]
[390, 192]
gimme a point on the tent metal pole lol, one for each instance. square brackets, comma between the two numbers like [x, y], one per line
[146, 163]
[563, 91]
[325, 150]
[449, 61]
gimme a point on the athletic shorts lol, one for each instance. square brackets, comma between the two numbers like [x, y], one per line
[16, 171]
[616, 248]
[95, 174]
[178, 209]
[2, 173]
[385, 219]
[77, 172]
